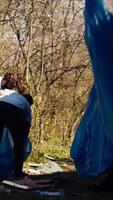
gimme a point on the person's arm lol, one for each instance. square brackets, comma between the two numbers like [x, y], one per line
[27, 128]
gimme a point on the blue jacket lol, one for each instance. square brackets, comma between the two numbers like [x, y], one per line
[92, 147]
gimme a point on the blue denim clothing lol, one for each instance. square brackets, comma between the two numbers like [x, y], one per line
[92, 147]
[7, 153]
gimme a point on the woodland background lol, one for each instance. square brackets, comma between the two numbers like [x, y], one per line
[43, 40]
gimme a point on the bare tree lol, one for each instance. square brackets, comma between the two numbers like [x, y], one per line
[43, 40]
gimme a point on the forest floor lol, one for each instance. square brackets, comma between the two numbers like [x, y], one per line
[72, 187]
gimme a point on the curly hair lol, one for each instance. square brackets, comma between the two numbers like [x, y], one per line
[13, 81]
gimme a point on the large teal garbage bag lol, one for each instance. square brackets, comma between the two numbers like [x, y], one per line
[92, 147]
[7, 154]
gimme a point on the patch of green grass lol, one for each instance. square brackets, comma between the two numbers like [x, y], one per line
[53, 151]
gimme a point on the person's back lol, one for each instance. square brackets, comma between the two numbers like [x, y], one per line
[14, 98]
[15, 114]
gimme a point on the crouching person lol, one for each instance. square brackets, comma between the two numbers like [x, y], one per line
[15, 114]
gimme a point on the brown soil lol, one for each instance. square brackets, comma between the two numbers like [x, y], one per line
[75, 188]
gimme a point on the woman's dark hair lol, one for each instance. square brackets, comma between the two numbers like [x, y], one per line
[13, 81]
[9, 81]
[29, 98]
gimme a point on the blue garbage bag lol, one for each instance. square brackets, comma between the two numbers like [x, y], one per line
[92, 147]
[7, 153]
